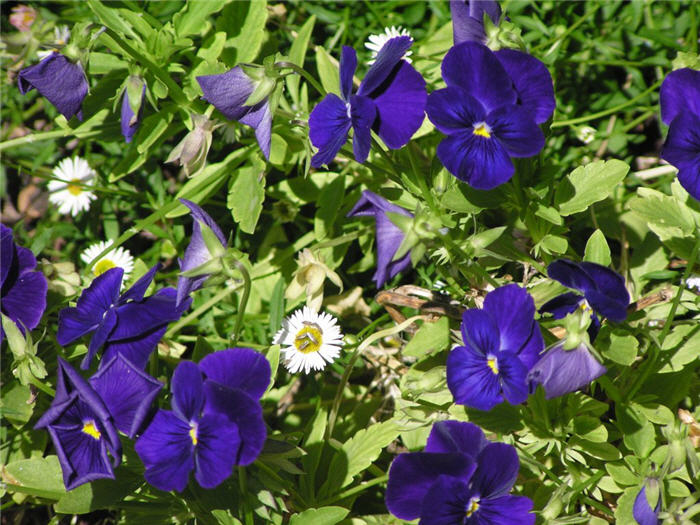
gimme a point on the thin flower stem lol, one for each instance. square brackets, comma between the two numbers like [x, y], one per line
[355, 490]
[606, 112]
[51, 135]
[243, 484]
[302, 72]
[41, 386]
[244, 297]
[199, 311]
[470, 263]
[566, 33]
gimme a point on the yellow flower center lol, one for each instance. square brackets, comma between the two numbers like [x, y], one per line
[482, 130]
[309, 338]
[473, 506]
[585, 307]
[493, 364]
[90, 429]
[193, 433]
[102, 266]
[74, 187]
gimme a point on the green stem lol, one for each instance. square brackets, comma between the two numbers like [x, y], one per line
[302, 72]
[199, 311]
[355, 490]
[606, 112]
[41, 386]
[243, 484]
[51, 135]
[244, 298]
[566, 33]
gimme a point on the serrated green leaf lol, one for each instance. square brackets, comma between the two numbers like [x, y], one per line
[430, 338]
[638, 433]
[621, 474]
[597, 249]
[589, 184]
[322, 516]
[246, 195]
[553, 244]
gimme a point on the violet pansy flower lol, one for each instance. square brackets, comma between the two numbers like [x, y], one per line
[488, 115]
[128, 323]
[228, 92]
[197, 252]
[390, 100]
[389, 236]
[501, 343]
[459, 478]
[680, 109]
[58, 79]
[23, 289]
[132, 110]
[468, 19]
[642, 511]
[82, 430]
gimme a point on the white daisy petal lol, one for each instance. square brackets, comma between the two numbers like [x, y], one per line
[119, 257]
[309, 340]
[69, 190]
[376, 42]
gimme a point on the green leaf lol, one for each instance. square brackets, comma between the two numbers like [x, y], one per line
[331, 196]
[277, 305]
[430, 338]
[103, 63]
[37, 476]
[589, 184]
[553, 244]
[111, 18]
[193, 19]
[604, 451]
[244, 23]
[313, 445]
[327, 71]
[358, 453]
[623, 349]
[621, 474]
[322, 516]
[14, 403]
[597, 249]
[296, 56]
[246, 195]
[639, 435]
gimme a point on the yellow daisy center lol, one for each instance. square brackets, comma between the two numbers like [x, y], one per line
[74, 187]
[193, 433]
[90, 429]
[309, 338]
[492, 362]
[482, 129]
[102, 266]
[473, 506]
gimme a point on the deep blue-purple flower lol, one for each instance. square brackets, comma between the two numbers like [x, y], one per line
[562, 371]
[389, 236]
[130, 120]
[642, 511]
[216, 421]
[58, 79]
[603, 291]
[390, 100]
[501, 343]
[680, 109]
[468, 19]
[228, 93]
[127, 392]
[488, 115]
[128, 323]
[197, 252]
[459, 478]
[23, 290]
[82, 430]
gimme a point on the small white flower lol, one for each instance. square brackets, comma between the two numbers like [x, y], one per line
[68, 189]
[376, 42]
[61, 36]
[693, 283]
[309, 340]
[119, 257]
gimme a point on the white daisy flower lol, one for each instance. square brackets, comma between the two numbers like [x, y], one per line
[61, 36]
[119, 257]
[376, 42]
[309, 340]
[68, 189]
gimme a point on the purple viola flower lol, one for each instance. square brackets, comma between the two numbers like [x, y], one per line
[228, 92]
[128, 323]
[82, 430]
[501, 343]
[459, 478]
[127, 392]
[216, 421]
[468, 19]
[642, 511]
[680, 109]
[484, 115]
[603, 290]
[389, 236]
[23, 290]
[58, 79]
[562, 371]
[390, 100]
[197, 252]
[130, 119]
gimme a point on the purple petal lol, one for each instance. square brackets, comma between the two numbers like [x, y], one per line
[453, 109]
[445, 502]
[497, 470]
[514, 311]
[348, 65]
[58, 79]
[682, 150]
[129, 124]
[127, 391]
[474, 68]
[529, 354]
[571, 275]
[680, 94]
[562, 305]
[512, 374]
[411, 475]
[7, 250]
[456, 436]
[389, 238]
[135, 319]
[481, 162]
[167, 451]
[532, 82]
[260, 119]
[513, 510]
[25, 301]
[137, 350]
[228, 92]
[470, 379]
[138, 289]
[468, 19]
[329, 124]
[362, 115]
[516, 131]
[609, 297]
[243, 410]
[371, 204]
[562, 371]
[188, 392]
[480, 332]
[240, 368]
[215, 453]
[200, 216]
[400, 104]
[388, 57]
[643, 512]
[104, 329]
